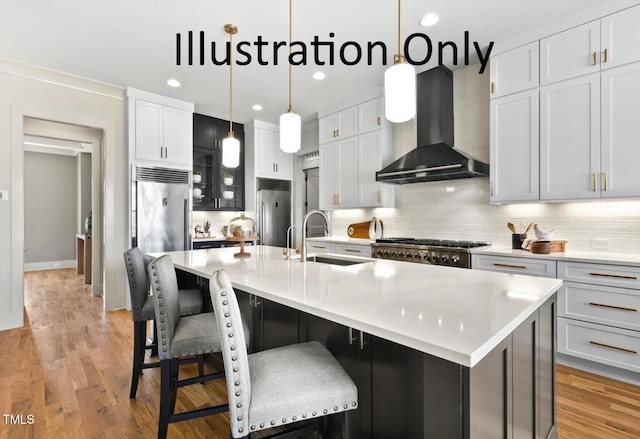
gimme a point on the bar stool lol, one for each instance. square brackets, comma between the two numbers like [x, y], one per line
[278, 386]
[142, 310]
[180, 336]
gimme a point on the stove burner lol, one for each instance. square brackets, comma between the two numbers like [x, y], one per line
[426, 251]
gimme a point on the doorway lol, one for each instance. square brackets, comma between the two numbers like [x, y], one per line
[62, 185]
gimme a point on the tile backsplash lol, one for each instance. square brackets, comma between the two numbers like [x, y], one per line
[460, 209]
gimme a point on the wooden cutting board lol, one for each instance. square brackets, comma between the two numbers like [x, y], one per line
[359, 230]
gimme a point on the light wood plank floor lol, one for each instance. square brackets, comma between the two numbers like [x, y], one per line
[70, 367]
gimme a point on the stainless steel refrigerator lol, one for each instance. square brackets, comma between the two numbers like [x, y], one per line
[274, 211]
[161, 210]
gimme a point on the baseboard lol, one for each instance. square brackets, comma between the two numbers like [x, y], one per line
[50, 265]
[612, 372]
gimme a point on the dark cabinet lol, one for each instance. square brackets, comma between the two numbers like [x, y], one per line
[218, 188]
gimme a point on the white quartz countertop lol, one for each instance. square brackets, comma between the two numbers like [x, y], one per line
[569, 255]
[341, 240]
[456, 314]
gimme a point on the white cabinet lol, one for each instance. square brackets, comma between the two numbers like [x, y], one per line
[514, 71]
[514, 265]
[620, 38]
[339, 125]
[263, 148]
[320, 247]
[348, 166]
[327, 245]
[159, 134]
[370, 116]
[598, 309]
[570, 139]
[339, 175]
[514, 146]
[354, 249]
[620, 153]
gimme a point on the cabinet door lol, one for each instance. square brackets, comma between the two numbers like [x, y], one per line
[515, 147]
[348, 122]
[328, 176]
[327, 128]
[621, 131]
[370, 116]
[546, 398]
[149, 136]
[570, 139]
[279, 324]
[524, 378]
[348, 173]
[283, 161]
[177, 136]
[267, 141]
[514, 71]
[621, 38]
[571, 53]
[369, 161]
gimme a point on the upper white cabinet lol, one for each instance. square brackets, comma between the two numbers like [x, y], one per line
[348, 165]
[370, 116]
[160, 130]
[514, 71]
[570, 139]
[339, 125]
[514, 146]
[602, 44]
[263, 150]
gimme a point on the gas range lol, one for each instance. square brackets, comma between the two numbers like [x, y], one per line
[426, 251]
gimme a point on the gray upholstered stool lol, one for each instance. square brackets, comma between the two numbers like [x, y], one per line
[142, 310]
[277, 386]
[180, 336]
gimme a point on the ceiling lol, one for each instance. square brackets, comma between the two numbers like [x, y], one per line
[133, 43]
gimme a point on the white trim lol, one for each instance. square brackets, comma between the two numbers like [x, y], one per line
[135, 93]
[50, 265]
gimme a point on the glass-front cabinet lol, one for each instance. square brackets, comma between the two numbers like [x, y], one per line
[215, 187]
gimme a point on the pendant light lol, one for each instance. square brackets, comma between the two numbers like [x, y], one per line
[230, 145]
[399, 87]
[290, 122]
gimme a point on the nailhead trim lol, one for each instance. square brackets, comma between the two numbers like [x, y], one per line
[273, 422]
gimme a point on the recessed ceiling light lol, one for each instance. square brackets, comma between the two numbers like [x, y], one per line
[257, 107]
[429, 20]
[173, 82]
[319, 76]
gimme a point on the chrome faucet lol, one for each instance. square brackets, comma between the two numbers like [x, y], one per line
[287, 251]
[303, 251]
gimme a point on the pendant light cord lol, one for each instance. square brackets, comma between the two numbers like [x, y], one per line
[230, 83]
[399, 36]
[290, 37]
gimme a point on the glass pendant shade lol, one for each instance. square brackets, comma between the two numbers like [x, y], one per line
[400, 92]
[290, 132]
[230, 152]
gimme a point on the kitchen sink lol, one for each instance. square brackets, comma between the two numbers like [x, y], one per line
[335, 261]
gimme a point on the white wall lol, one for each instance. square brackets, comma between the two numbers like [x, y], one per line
[460, 209]
[38, 93]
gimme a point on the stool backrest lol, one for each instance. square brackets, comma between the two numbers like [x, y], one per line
[234, 351]
[164, 286]
[135, 263]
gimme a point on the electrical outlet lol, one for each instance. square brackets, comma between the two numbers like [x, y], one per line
[600, 244]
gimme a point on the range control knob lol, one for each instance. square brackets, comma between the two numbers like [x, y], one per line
[455, 259]
[445, 258]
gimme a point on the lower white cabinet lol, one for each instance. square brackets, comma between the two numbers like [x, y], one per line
[317, 245]
[353, 249]
[514, 265]
[320, 247]
[599, 313]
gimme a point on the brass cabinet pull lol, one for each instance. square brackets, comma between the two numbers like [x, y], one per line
[161, 156]
[595, 182]
[352, 250]
[318, 246]
[493, 87]
[378, 120]
[166, 155]
[379, 197]
[338, 197]
[619, 276]
[604, 345]
[594, 61]
[338, 132]
[606, 181]
[620, 308]
[606, 55]
[522, 267]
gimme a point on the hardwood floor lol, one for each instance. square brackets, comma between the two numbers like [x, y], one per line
[70, 368]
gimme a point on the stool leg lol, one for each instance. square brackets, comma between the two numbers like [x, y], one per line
[201, 365]
[168, 392]
[139, 335]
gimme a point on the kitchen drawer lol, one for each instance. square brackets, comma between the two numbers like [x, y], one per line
[600, 274]
[598, 304]
[529, 266]
[354, 249]
[320, 247]
[603, 344]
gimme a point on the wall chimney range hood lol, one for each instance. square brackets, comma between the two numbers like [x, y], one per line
[435, 158]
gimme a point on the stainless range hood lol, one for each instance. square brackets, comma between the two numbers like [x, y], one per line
[435, 158]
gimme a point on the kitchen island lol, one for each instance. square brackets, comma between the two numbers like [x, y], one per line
[435, 351]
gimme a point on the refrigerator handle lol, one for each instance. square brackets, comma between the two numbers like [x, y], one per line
[186, 224]
[262, 222]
